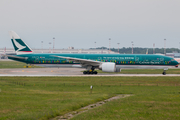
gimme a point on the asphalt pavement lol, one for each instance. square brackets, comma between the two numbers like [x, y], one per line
[62, 72]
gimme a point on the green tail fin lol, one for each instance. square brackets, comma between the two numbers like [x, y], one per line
[19, 45]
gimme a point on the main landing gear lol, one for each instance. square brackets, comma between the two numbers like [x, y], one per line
[90, 72]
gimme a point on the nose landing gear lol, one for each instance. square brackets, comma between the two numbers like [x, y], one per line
[164, 72]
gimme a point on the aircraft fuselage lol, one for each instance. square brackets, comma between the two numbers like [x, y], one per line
[121, 60]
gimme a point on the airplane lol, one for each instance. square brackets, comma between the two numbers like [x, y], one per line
[104, 62]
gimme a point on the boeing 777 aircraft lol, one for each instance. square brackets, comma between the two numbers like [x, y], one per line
[104, 62]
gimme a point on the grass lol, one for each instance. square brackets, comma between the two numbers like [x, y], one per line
[150, 103]
[14, 64]
[47, 97]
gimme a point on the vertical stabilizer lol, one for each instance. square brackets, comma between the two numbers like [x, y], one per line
[19, 45]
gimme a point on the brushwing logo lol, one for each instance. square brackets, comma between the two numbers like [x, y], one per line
[19, 46]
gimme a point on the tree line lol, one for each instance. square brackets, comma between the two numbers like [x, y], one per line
[138, 50]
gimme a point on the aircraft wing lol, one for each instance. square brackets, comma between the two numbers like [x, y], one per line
[16, 57]
[84, 62]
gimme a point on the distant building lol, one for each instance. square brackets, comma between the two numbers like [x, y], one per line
[75, 51]
[173, 55]
[70, 47]
[159, 54]
[69, 50]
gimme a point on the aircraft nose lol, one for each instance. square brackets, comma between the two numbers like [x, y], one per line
[176, 63]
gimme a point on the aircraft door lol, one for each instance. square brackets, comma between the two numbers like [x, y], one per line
[137, 60]
[162, 60]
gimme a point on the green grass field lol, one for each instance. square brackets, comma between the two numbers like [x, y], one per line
[47, 97]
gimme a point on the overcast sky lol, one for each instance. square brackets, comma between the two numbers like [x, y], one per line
[80, 23]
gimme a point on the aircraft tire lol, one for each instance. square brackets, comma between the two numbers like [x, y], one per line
[87, 72]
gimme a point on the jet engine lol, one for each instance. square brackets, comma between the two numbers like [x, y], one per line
[108, 67]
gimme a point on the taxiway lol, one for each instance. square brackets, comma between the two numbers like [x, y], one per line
[63, 72]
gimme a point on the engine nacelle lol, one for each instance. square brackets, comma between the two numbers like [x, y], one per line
[108, 67]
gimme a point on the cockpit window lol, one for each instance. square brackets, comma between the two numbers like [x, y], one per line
[172, 60]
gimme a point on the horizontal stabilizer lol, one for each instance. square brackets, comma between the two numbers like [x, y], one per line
[16, 57]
